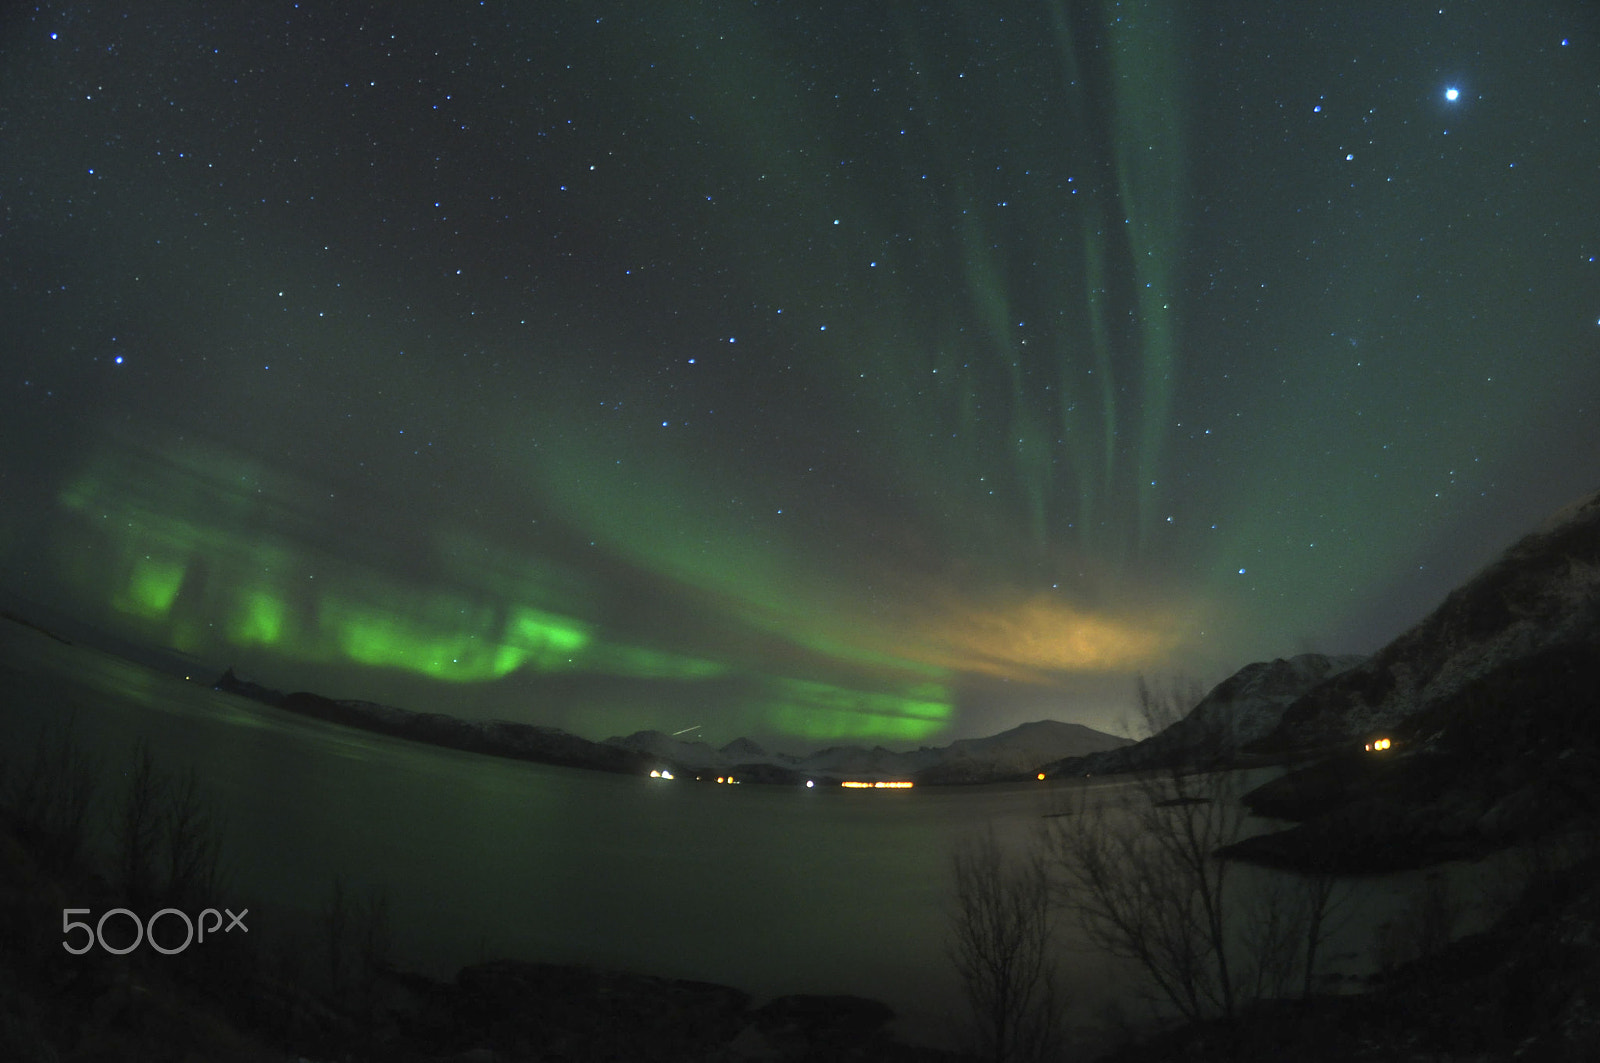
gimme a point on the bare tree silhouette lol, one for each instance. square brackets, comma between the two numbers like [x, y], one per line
[1141, 873]
[53, 795]
[1001, 946]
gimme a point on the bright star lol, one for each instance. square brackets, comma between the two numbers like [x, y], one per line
[1452, 94]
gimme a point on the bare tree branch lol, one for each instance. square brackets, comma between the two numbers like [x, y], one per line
[1001, 942]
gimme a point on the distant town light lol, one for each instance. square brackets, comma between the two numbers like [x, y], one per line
[876, 785]
[1378, 745]
[1041, 776]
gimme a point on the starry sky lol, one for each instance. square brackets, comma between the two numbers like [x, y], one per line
[816, 371]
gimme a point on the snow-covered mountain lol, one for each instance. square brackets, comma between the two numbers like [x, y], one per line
[1490, 707]
[1535, 608]
[1020, 751]
[1541, 595]
[673, 751]
[1248, 704]
[1241, 709]
[744, 749]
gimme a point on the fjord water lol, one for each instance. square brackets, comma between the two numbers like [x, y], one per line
[772, 889]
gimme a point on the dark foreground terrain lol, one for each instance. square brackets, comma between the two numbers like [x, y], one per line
[1528, 988]
[266, 999]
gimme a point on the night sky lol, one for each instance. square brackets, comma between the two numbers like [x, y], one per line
[814, 371]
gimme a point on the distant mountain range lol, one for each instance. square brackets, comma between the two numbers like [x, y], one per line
[1014, 754]
[1019, 752]
[1501, 682]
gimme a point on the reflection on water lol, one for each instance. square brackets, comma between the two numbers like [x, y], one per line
[772, 889]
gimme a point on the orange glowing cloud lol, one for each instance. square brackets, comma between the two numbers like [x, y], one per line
[1039, 636]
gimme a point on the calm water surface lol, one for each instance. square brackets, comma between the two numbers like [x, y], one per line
[772, 889]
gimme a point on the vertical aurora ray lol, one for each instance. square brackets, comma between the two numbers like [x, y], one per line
[1145, 61]
[1124, 118]
[1098, 477]
[668, 352]
[1088, 405]
[896, 363]
[1003, 339]
[229, 555]
[1078, 421]
[1024, 436]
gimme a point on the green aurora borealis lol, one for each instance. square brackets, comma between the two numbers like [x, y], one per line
[870, 372]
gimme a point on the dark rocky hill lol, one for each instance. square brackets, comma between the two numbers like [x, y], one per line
[502, 738]
[1242, 708]
[1542, 594]
[1017, 753]
[1492, 706]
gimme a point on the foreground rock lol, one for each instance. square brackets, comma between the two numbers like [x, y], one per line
[230, 1002]
[507, 1010]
